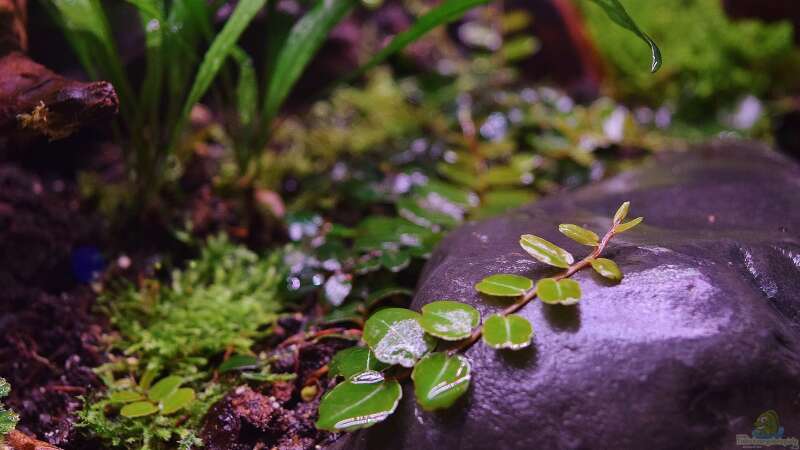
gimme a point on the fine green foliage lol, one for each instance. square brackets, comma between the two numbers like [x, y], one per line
[449, 320]
[439, 380]
[218, 302]
[396, 336]
[504, 285]
[711, 60]
[579, 234]
[607, 268]
[350, 406]
[545, 251]
[8, 419]
[511, 332]
[558, 292]
[401, 337]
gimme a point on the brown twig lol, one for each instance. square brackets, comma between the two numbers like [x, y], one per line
[531, 293]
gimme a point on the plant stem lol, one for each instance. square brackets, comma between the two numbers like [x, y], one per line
[531, 293]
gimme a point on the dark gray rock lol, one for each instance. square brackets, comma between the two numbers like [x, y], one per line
[699, 339]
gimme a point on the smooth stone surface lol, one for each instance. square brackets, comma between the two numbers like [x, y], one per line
[701, 336]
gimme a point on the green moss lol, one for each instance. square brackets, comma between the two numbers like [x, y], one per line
[223, 300]
[8, 419]
[709, 60]
[220, 301]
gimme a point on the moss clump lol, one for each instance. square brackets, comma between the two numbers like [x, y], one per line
[8, 419]
[710, 61]
[221, 301]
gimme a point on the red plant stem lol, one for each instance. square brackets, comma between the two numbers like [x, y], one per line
[531, 293]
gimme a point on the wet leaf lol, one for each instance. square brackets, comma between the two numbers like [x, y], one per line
[616, 12]
[622, 212]
[579, 234]
[449, 320]
[238, 362]
[621, 228]
[351, 406]
[546, 251]
[368, 377]
[125, 397]
[177, 400]
[607, 268]
[563, 292]
[138, 409]
[164, 387]
[396, 337]
[512, 332]
[440, 380]
[413, 211]
[395, 260]
[352, 361]
[504, 285]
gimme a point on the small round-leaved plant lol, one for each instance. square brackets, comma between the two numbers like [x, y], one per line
[398, 340]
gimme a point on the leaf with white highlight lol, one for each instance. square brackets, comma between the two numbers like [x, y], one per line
[350, 406]
[512, 332]
[440, 380]
[562, 292]
[545, 251]
[396, 337]
[449, 320]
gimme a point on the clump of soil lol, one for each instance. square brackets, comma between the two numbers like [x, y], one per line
[48, 338]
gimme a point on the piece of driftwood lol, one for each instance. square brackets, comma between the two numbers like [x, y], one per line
[35, 101]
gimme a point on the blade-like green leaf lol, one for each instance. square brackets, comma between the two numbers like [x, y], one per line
[562, 292]
[164, 387]
[579, 234]
[616, 12]
[216, 55]
[396, 337]
[512, 332]
[607, 268]
[151, 13]
[138, 409]
[628, 225]
[351, 406]
[238, 362]
[546, 251]
[449, 320]
[622, 212]
[246, 87]
[440, 380]
[177, 400]
[305, 38]
[504, 285]
[448, 11]
[352, 361]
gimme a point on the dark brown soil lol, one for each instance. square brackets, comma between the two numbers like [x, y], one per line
[48, 337]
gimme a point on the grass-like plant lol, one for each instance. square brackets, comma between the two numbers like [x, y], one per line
[154, 113]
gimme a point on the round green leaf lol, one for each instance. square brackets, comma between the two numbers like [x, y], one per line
[607, 268]
[546, 251]
[395, 260]
[396, 337]
[138, 409]
[125, 397]
[352, 361]
[513, 332]
[563, 292]
[628, 225]
[164, 387]
[449, 320]
[504, 285]
[579, 234]
[440, 380]
[622, 212]
[177, 400]
[351, 406]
